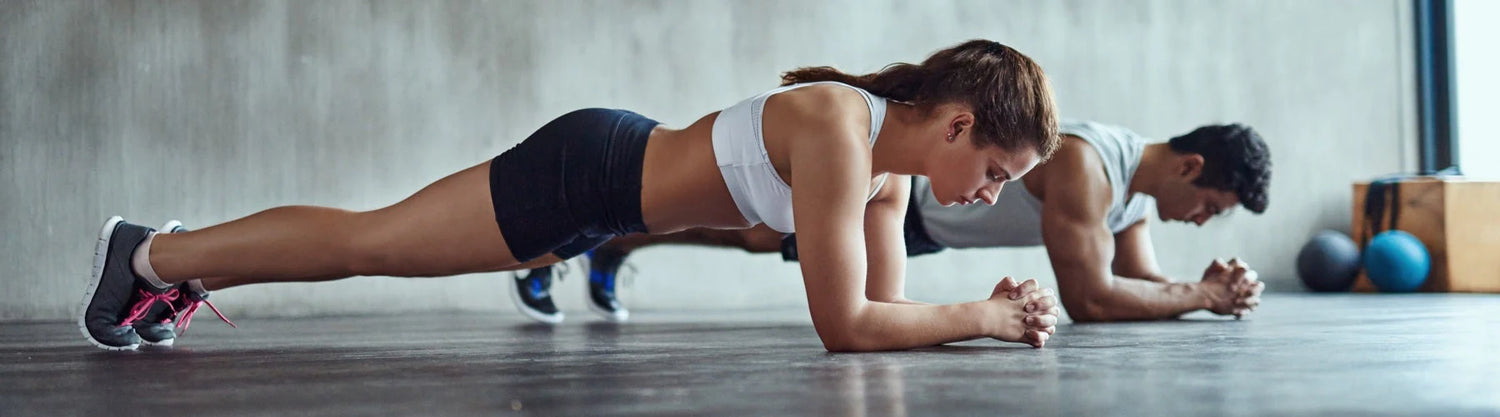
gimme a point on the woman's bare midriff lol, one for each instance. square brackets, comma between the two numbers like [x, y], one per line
[681, 186]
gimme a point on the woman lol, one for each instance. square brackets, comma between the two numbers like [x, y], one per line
[824, 146]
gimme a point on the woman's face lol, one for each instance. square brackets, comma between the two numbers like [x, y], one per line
[961, 173]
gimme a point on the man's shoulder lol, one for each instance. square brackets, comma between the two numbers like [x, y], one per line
[1077, 162]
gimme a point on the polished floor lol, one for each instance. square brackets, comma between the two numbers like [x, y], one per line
[1355, 355]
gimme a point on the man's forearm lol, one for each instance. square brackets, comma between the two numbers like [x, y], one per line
[1136, 299]
[1150, 277]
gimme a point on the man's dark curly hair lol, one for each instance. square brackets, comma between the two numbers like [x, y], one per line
[1235, 159]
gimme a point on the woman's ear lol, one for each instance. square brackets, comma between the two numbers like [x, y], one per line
[960, 123]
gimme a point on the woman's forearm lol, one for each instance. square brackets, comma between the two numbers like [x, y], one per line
[880, 326]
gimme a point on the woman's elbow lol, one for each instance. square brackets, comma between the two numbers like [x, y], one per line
[841, 334]
[850, 345]
[840, 338]
[839, 346]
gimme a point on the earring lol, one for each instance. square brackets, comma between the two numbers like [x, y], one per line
[952, 137]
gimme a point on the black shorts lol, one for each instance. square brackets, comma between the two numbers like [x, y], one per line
[915, 234]
[572, 185]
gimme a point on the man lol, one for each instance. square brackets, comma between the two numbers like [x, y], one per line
[1087, 205]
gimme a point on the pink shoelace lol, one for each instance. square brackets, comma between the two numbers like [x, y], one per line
[142, 307]
[187, 315]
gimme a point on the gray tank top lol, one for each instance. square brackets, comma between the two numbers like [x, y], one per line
[1016, 217]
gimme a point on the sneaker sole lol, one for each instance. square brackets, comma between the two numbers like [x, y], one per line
[617, 316]
[515, 297]
[101, 251]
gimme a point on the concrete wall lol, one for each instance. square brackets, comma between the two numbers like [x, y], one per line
[208, 111]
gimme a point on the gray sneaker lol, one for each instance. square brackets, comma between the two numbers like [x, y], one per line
[116, 297]
[159, 327]
[156, 330]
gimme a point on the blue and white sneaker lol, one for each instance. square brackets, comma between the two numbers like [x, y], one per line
[604, 271]
[533, 296]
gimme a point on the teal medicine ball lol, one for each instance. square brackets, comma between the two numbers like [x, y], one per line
[1396, 261]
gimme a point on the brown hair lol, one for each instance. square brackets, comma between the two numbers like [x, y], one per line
[1007, 91]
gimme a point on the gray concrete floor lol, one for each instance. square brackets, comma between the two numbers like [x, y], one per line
[1299, 355]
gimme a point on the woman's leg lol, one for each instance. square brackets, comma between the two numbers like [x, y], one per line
[215, 284]
[446, 228]
[758, 239]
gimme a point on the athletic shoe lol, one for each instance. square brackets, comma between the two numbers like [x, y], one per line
[604, 271]
[116, 297]
[160, 327]
[533, 296]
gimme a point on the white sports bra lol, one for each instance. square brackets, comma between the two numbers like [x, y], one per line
[740, 149]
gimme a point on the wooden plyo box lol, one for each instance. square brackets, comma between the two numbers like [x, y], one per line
[1459, 222]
